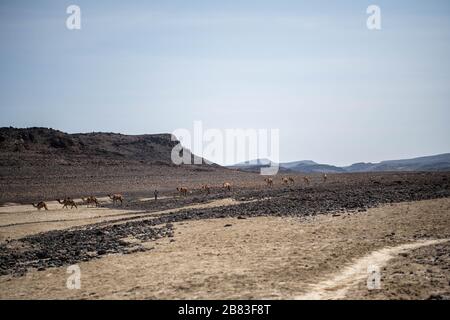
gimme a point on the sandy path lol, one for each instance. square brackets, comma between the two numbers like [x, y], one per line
[17, 221]
[9, 208]
[337, 286]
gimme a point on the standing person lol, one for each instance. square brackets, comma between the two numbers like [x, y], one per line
[156, 194]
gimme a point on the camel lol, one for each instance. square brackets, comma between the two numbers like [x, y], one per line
[40, 205]
[206, 188]
[91, 200]
[94, 200]
[285, 180]
[67, 202]
[116, 197]
[226, 185]
[306, 179]
[325, 177]
[182, 190]
[291, 180]
[269, 182]
[86, 201]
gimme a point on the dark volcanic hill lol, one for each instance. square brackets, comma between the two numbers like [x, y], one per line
[32, 146]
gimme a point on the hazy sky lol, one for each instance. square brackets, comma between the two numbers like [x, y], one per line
[338, 92]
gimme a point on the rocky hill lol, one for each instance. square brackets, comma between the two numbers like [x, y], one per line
[47, 147]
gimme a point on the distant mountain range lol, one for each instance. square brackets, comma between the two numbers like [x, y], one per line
[439, 162]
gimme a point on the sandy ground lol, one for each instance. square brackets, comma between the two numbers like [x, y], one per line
[17, 221]
[338, 285]
[268, 257]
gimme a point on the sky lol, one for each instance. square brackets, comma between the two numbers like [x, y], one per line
[338, 92]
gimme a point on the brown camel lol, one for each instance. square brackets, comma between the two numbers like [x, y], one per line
[269, 182]
[285, 180]
[291, 180]
[40, 205]
[67, 202]
[306, 179]
[227, 185]
[116, 198]
[91, 200]
[206, 188]
[182, 190]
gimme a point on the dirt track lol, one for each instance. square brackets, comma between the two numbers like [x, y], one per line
[17, 221]
[337, 286]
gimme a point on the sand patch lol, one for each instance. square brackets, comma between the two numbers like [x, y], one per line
[17, 221]
[338, 285]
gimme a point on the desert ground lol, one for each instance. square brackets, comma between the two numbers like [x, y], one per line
[295, 241]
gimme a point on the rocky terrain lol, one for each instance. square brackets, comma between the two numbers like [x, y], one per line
[349, 213]
[336, 196]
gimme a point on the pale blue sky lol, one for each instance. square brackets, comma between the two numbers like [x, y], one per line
[339, 92]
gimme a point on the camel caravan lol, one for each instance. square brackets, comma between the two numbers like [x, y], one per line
[69, 203]
[183, 191]
[92, 201]
[286, 181]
